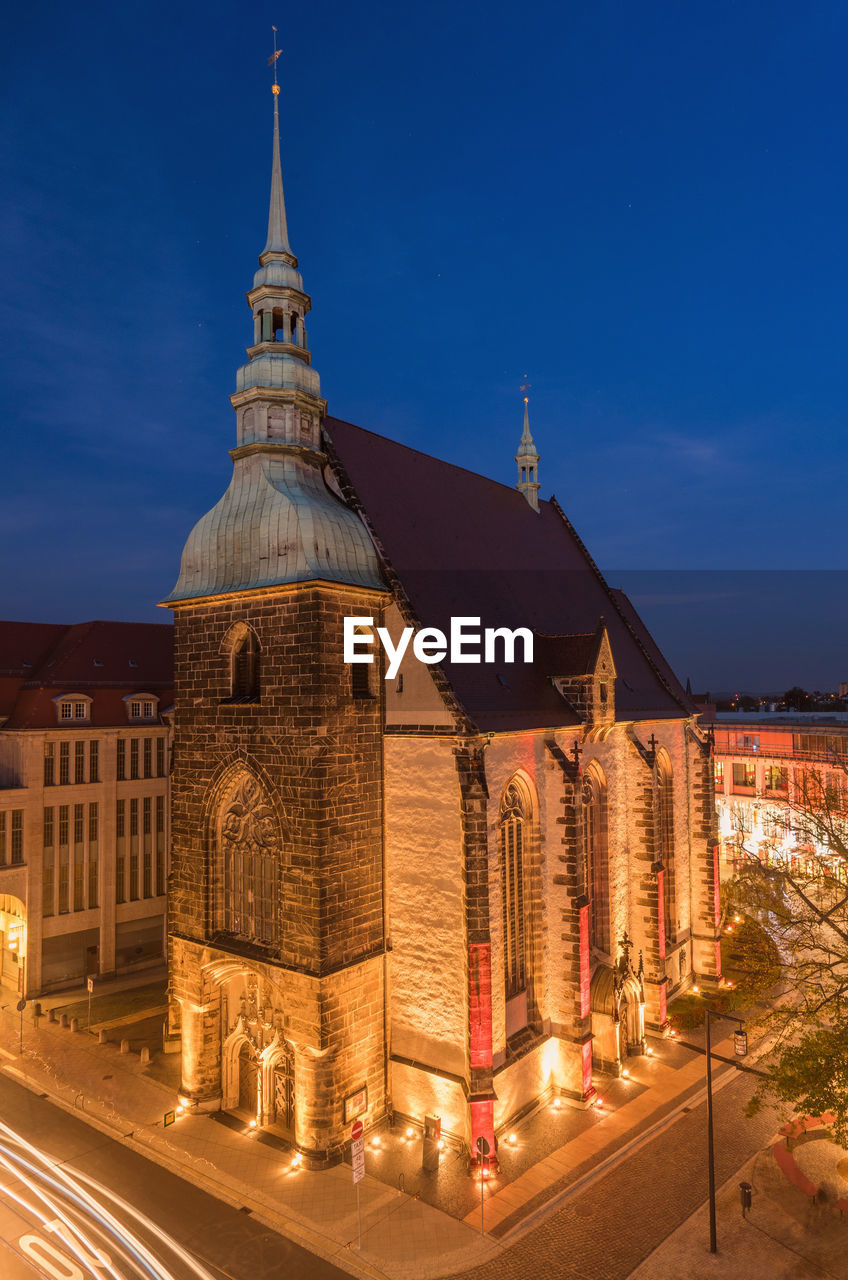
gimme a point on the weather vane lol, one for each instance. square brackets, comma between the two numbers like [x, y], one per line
[272, 62]
[525, 387]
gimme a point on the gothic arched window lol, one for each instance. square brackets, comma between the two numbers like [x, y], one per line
[244, 665]
[665, 832]
[247, 863]
[596, 837]
[513, 828]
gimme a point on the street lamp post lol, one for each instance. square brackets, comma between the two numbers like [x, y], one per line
[710, 1013]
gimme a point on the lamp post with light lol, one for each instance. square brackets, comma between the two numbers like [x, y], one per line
[741, 1048]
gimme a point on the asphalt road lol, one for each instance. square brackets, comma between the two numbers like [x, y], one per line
[72, 1198]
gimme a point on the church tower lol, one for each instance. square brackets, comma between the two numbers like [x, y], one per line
[527, 461]
[277, 916]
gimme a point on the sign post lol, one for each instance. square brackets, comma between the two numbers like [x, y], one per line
[483, 1148]
[357, 1154]
[90, 985]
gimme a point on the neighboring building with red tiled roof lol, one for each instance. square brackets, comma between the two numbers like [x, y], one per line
[85, 726]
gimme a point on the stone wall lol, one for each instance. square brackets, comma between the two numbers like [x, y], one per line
[315, 748]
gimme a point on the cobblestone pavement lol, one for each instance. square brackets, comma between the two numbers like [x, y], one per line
[607, 1230]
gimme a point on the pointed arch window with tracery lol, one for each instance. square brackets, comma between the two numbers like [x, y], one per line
[247, 864]
[665, 833]
[513, 832]
[596, 837]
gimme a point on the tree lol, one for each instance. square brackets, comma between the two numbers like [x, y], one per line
[800, 897]
[797, 699]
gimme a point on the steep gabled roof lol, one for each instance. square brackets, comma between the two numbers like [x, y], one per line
[108, 661]
[463, 545]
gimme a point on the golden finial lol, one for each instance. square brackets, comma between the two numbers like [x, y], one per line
[272, 62]
[525, 387]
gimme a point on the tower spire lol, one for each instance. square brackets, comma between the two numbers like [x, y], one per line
[527, 458]
[278, 234]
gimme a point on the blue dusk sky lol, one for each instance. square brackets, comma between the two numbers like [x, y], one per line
[640, 206]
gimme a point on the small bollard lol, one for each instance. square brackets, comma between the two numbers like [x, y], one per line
[64, 1020]
[36, 1009]
[51, 1015]
[125, 1046]
[745, 1190]
[75, 1024]
[101, 1036]
[145, 1056]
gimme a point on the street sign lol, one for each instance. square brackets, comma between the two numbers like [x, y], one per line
[483, 1146]
[21, 1005]
[740, 1043]
[170, 1117]
[357, 1151]
[90, 985]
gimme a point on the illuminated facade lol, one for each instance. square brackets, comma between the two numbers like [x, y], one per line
[456, 891]
[84, 760]
[768, 769]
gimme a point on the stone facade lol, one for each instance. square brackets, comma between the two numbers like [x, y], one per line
[315, 749]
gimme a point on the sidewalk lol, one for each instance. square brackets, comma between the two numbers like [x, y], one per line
[785, 1237]
[402, 1236]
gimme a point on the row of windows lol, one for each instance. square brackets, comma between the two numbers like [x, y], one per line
[64, 766]
[820, 744]
[140, 762]
[140, 848]
[11, 838]
[744, 774]
[70, 858]
[71, 767]
[71, 854]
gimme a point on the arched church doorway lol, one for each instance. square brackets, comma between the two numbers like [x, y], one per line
[623, 1029]
[283, 1094]
[13, 943]
[248, 1079]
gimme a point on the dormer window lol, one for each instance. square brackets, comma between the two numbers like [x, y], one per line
[73, 709]
[142, 706]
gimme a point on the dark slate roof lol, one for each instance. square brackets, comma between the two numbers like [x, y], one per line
[461, 544]
[108, 661]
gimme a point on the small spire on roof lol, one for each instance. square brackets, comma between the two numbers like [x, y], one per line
[278, 234]
[527, 458]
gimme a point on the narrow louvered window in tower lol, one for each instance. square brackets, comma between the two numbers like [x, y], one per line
[245, 668]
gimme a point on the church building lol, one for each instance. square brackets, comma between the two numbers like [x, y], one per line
[456, 892]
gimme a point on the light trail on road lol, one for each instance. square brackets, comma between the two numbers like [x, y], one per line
[88, 1230]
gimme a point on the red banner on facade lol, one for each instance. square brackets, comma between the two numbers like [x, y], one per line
[661, 912]
[587, 1067]
[585, 967]
[480, 1003]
